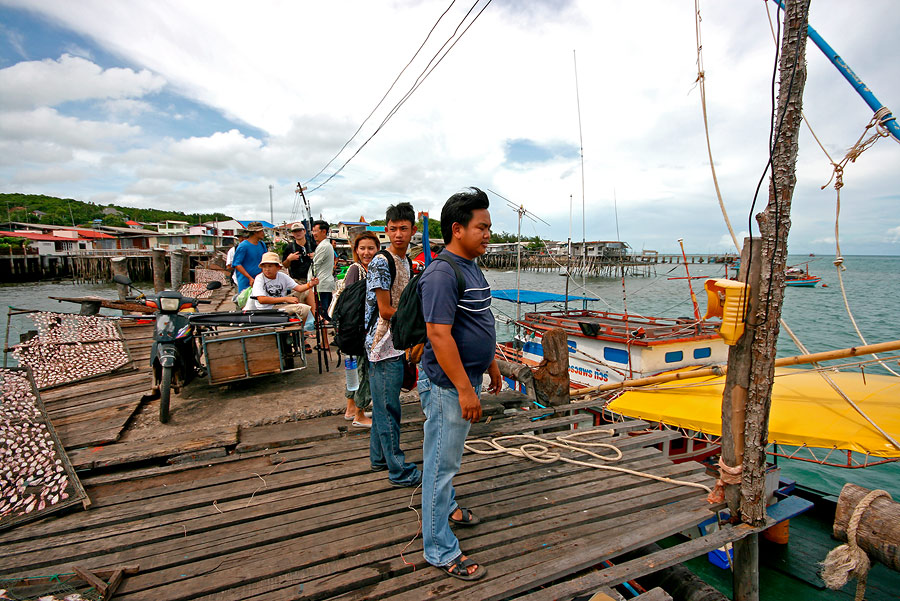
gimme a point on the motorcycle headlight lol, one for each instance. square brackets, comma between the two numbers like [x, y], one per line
[170, 305]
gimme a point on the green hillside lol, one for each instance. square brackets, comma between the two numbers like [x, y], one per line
[65, 211]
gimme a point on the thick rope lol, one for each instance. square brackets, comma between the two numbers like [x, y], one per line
[849, 561]
[540, 452]
[727, 475]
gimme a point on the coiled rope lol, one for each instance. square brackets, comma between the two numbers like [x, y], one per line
[849, 561]
[539, 450]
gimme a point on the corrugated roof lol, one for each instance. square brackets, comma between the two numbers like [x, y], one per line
[39, 237]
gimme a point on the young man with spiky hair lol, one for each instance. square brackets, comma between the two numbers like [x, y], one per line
[459, 350]
[386, 362]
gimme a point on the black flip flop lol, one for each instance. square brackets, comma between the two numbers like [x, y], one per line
[459, 568]
[468, 518]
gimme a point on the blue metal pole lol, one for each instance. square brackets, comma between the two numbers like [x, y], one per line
[426, 243]
[889, 121]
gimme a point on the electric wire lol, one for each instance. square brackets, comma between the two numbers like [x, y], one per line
[428, 70]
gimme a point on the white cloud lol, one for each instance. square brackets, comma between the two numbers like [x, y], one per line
[51, 82]
[511, 77]
[48, 125]
[893, 235]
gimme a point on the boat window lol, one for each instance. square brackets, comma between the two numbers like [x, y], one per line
[674, 356]
[702, 353]
[615, 355]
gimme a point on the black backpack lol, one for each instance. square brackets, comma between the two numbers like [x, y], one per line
[408, 323]
[350, 327]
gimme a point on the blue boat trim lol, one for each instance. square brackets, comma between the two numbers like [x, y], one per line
[533, 297]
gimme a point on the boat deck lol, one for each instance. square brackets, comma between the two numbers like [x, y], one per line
[615, 326]
[293, 511]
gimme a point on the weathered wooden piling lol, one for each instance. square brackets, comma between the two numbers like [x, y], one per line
[119, 266]
[159, 269]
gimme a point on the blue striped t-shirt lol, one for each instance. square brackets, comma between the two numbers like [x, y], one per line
[473, 323]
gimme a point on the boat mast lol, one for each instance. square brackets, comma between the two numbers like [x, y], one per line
[569, 253]
[581, 153]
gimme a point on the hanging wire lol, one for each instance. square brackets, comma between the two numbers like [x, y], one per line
[428, 70]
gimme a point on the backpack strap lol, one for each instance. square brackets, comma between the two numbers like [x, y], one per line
[460, 279]
[390, 261]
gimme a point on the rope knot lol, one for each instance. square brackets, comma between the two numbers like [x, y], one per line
[727, 475]
[849, 560]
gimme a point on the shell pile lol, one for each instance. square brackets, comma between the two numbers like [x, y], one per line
[205, 276]
[71, 347]
[32, 475]
[195, 291]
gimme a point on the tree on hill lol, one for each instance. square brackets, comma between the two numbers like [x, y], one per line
[66, 211]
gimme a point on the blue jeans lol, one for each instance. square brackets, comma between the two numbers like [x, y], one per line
[385, 379]
[445, 434]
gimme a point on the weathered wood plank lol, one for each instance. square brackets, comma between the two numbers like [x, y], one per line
[132, 452]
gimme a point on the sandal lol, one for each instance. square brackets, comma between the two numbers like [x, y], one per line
[468, 518]
[459, 568]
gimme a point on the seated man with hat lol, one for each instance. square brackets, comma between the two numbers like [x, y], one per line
[272, 289]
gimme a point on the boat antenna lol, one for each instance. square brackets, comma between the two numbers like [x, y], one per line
[521, 211]
[581, 152]
[569, 253]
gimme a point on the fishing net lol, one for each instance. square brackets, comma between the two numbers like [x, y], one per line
[56, 587]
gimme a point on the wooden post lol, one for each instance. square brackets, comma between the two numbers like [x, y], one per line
[745, 578]
[186, 268]
[176, 260]
[119, 266]
[551, 379]
[737, 378]
[159, 269]
[878, 533]
[774, 225]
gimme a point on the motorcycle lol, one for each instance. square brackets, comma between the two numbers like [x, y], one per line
[175, 356]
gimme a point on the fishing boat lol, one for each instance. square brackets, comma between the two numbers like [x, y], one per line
[796, 277]
[611, 347]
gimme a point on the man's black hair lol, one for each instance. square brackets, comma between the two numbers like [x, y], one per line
[402, 211]
[459, 208]
[323, 225]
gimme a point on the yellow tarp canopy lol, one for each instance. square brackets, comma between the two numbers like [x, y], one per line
[805, 409]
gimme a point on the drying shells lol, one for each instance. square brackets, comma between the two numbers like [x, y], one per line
[71, 347]
[32, 476]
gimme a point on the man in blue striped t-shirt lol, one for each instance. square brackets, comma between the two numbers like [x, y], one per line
[460, 349]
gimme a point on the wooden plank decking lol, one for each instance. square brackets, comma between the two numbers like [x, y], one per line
[311, 521]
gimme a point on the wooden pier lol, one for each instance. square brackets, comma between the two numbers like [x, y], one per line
[595, 266]
[293, 511]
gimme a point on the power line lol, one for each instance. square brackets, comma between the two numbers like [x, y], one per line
[396, 79]
[429, 68]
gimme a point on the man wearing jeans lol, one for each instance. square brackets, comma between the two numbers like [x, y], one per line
[386, 362]
[451, 385]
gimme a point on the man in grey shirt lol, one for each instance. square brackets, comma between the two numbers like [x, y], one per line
[323, 266]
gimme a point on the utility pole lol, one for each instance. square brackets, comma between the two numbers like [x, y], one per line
[271, 207]
[763, 318]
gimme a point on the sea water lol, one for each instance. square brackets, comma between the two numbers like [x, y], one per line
[817, 316]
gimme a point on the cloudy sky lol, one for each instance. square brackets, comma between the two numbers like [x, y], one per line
[203, 105]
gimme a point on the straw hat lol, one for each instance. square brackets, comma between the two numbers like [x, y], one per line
[255, 226]
[270, 258]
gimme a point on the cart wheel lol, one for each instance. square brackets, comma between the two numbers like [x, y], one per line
[165, 389]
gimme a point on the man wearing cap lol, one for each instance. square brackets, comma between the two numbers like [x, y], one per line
[248, 255]
[239, 237]
[272, 289]
[296, 256]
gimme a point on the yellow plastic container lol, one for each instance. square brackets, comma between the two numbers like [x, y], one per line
[727, 299]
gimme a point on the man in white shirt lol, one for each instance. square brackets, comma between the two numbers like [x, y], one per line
[272, 289]
[323, 266]
[239, 237]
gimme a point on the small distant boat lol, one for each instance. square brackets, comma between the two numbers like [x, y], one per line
[796, 277]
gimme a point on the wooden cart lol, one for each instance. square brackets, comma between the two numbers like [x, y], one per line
[233, 354]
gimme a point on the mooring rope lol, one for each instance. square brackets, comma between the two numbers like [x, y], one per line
[849, 560]
[539, 451]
